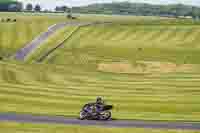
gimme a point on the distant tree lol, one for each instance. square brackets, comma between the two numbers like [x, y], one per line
[19, 7]
[37, 8]
[64, 8]
[61, 8]
[29, 7]
[8, 19]
[195, 13]
[69, 16]
[15, 7]
[2, 20]
[57, 8]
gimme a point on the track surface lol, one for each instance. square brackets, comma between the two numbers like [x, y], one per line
[22, 53]
[113, 123]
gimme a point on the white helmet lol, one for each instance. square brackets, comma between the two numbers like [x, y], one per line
[99, 100]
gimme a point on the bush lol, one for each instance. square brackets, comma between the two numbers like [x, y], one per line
[140, 49]
[69, 16]
[2, 20]
[8, 20]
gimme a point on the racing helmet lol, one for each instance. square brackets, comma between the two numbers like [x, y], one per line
[99, 100]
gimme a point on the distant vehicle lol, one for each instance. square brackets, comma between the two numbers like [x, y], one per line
[93, 112]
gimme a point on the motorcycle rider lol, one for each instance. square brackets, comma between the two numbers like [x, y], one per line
[99, 104]
[96, 107]
[96, 110]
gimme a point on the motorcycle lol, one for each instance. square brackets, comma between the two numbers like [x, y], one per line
[93, 112]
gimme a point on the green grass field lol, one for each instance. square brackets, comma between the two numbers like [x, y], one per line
[177, 44]
[14, 35]
[62, 90]
[51, 43]
[43, 128]
[146, 71]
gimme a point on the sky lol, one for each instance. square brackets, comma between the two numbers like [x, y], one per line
[51, 4]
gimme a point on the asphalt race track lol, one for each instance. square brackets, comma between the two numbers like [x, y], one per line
[23, 52]
[111, 123]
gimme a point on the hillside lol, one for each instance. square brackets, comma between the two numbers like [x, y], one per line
[145, 69]
[7, 1]
[15, 35]
[104, 43]
[126, 8]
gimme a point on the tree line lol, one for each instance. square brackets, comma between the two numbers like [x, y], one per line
[141, 9]
[14, 6]
[30, 7]
[37, 7]
[119, 8]
[10, 5]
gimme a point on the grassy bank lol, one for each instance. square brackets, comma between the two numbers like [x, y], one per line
[14, 35]
[62, 90]
[146, 71]
[36, 128]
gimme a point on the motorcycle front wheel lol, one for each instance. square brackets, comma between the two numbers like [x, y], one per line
[105, 115]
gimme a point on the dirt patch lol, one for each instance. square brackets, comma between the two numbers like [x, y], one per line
[144, 67]
[117, 67]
